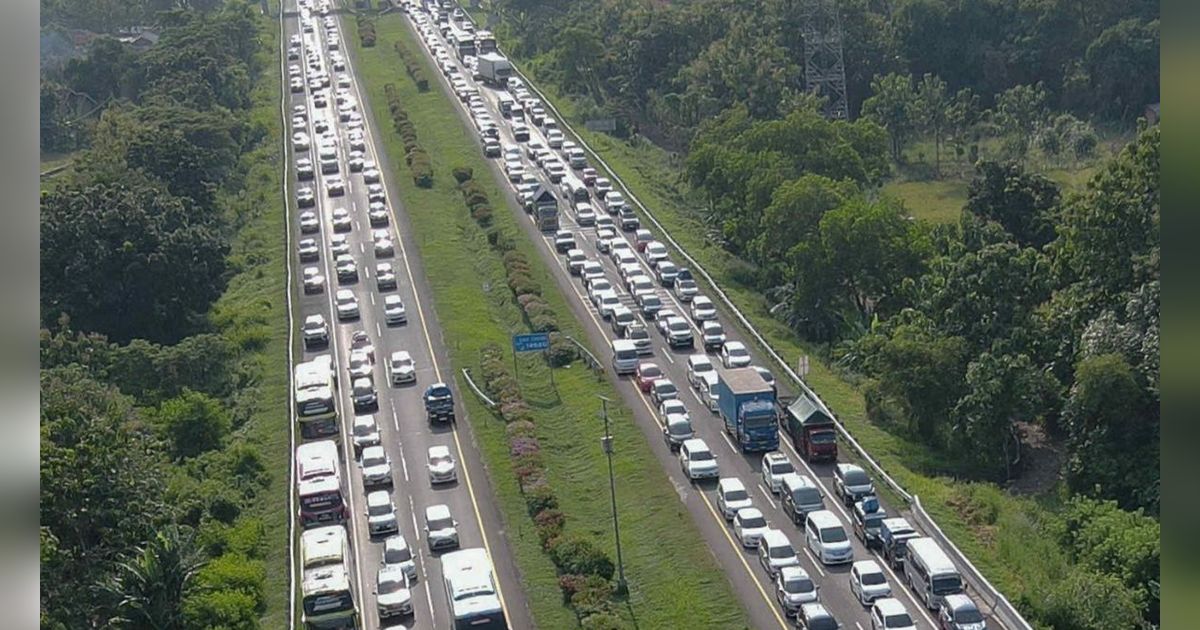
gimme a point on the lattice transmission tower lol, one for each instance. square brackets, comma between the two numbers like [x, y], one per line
[824, 70]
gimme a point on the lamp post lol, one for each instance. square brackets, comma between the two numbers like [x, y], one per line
[607, 443]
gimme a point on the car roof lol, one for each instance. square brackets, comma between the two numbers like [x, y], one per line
[959, 601]
[749, 512]
[890, 606]
[440, 510]
[695, 444]
[794, 571]
[867, 566]
[775, 536]
[731, 483]
[439, 450]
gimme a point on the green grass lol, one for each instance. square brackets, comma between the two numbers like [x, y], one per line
[678, 589]
[1011, 546]
[253, 313]
[938, 201]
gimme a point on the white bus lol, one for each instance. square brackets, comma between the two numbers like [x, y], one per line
[314, 391]
[319, 483]
[327, 599]
[322, 546]
[930, 572]
[471, 590]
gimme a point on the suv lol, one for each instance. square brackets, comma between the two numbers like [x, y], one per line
[679, 333]
[637, 333]
[713, 335]
[851, 483]
[814, 616]
[958, 612]
[316, 332]
[676, 430]
[732, 496]
[628, 219]
[774, 466]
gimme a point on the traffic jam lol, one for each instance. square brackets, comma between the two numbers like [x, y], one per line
[809, 530]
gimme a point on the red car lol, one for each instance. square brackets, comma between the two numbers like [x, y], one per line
[646, 374]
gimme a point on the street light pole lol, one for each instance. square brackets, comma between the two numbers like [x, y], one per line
[607, 442]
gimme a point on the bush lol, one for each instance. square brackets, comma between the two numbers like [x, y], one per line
[591, 598]
[462, 173]
[522, 284]
[513, 257]
[482, 216]
[603, 621]
[520, 428]
[541, 498]
[544, 322]
[549, 525]
[573, 554]
[194, 423]
[475, 198]
[519, 446]
[562, 352]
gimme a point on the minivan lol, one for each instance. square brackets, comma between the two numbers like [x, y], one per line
[930, 572]
[775, 552]
[625, 356]
[799, 496]
[826, 538]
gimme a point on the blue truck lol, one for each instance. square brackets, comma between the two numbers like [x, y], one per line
[746, 403]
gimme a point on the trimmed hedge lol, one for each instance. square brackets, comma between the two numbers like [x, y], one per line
[415, 70]
[414, 154]
[366, 31]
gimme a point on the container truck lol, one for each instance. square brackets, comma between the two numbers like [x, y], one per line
[811, 429]
[494, 69]
[747, 407]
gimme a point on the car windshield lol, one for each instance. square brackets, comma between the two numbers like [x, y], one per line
[402, 554]
[737, 352]
[678, 324]
[857, 478]
[782, 466]
[754, 521]
[968, 615]
[782, 551]
[651, 370]
[822, 623]
[665, 388]
[901, 620]
[393, 583]
[871, 579]
[946, 585]
[736, 495]
[680, 428]
[379, 509]
[823, 437]
[441, 523]
[799, 585]
[374, 459]
[439, 460]
[701, 456]
[833, 534]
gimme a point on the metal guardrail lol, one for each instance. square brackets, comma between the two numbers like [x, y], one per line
[1002, 607]
[591, 358]
[478, 392]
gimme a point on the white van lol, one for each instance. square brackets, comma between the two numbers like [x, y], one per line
[826, 538]
[930, 572]
[775, 552]
[625, 356]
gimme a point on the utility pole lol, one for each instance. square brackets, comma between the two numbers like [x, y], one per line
[607, 443]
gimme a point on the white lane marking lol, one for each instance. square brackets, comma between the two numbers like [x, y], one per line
[858, 625]
[372, 294]
[668, 357]
[767, 494]
[816, 563]
[378, 330]
[395, 420]
[404, 464]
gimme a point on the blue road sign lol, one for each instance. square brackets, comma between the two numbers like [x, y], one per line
[532, 342]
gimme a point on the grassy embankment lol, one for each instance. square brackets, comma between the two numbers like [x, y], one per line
[1004, 535]
[682, 587]
[253, 314]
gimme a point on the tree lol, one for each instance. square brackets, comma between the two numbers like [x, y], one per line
[933, 113]
[794, 214]
[893, 104]
[919, 368]
[1112, 435]
[1023, 203]
[1001, 389]
[1122, 66]
[125, 259]
[1125, 545]
[1020, 112]
[1083, 600]
[962, 114]
[89, 433]
[150, 587]
[194, 423]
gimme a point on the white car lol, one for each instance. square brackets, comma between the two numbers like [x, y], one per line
[339, 245]
[655, 252]
[360, 365]
[397, 553]
[774, 466]
[441, 530]
[606, 302]
[794, 588]
[381, 513]
[697, 460]
[889, 614]
[383, 245]
[868, 582]
[672, 407]
[366, 432]
[592, 270]
[732, 496]
[775, 551]
[376, 467]
[370, 174]
[703, 309]
[697, 366]
[595, 286]
[314, 282]
[392, 595]
[309, 222]
[315, 331]
[440, 464]
[663, 389]
[401, 368]
[393, 310]
[347, 305]
[604, 237]
[734, 354]
[385, 277]
[749, 524]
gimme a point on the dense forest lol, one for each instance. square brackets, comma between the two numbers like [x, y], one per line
[1036, 311]
[149, 486]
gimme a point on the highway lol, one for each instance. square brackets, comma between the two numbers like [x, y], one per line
[405, 433]
[750, 581]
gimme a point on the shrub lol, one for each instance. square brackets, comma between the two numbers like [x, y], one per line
[570, 584]
[512, 257]
[462, 173]
[522, 284]
[528, 299]
[493, 237]
[603, 621]
[549, 524]
[539, 498]
[482, 216]
[573, 554]
[519, 446]
[544, 322]
[475, 198]
[520, 428]
[591, 598]
[562, 352]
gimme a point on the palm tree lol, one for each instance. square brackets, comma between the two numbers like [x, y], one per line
[150, 586]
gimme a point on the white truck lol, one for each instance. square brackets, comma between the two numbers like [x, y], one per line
[494, 69]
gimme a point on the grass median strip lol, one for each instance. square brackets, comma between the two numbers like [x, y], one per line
[673, 579]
